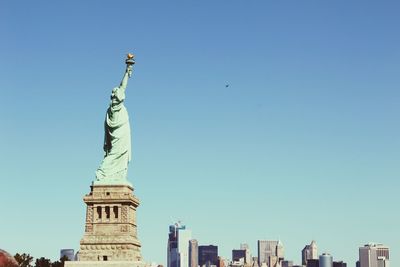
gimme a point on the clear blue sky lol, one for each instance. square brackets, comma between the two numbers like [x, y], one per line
[304, 144]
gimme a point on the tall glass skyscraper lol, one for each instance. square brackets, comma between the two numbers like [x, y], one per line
[178, 245]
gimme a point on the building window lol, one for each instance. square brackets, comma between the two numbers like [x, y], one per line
[115, 210]
[105, 258]
[107, 212]
[99, 212]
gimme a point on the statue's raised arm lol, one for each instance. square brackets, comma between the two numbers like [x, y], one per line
[117, 134]
[128, 72]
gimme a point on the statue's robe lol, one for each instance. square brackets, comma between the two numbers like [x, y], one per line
[117, 139]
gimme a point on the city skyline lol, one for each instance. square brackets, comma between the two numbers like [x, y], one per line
[303, 144]
[269, 253]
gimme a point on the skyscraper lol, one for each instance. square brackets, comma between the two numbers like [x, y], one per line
[248, 259]
[287, 263]
[339, 264]
[193, 253]
[178, 245]
[312, 263]
[269, 252]
[309, 252]
[238, 255]
[265, 249]
[208, 255]
[280, 251]
[372, 253]
[325, 260]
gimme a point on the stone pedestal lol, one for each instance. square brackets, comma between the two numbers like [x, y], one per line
[110, 230]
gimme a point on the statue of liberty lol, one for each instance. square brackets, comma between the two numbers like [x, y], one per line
[117, 135]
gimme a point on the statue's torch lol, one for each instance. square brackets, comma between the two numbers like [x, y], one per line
[130, 61]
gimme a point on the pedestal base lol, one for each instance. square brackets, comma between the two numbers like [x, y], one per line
[111, 230]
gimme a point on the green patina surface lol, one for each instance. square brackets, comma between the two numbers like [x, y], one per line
[117, 138]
